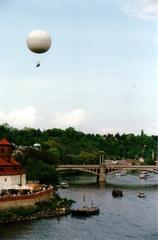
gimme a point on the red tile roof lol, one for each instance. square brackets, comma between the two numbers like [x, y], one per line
[11, 167]
[3, 162]
[5, 142]
[11, 171]
[12, 162]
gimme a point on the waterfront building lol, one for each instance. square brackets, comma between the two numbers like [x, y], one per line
[14, 192]
[12, 173]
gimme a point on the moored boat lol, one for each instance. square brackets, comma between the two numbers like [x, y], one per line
[141, 195]
[144, 175]
[64, 185]
[121, 173]
[117, 193]
[85, 211]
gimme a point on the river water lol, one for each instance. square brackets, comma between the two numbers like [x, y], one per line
[123, 218]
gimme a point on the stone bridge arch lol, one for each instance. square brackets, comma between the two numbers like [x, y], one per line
[98, 170]
[94, 172]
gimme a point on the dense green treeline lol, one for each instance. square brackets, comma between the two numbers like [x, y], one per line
[70, 146]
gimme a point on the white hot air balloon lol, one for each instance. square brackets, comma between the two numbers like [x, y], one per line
[38, 41]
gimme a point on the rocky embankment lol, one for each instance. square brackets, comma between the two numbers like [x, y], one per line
[56, 207]
[39, 215]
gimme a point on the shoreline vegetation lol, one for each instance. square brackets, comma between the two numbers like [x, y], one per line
[55, 207]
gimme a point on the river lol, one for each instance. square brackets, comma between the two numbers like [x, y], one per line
[123, 218]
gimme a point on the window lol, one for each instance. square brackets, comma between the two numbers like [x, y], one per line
[2, 150]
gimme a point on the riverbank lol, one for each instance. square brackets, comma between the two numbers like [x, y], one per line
[54, 207]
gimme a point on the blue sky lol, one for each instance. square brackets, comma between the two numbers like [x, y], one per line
[100, 74]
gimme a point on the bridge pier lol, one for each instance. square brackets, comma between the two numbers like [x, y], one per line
[102, 175]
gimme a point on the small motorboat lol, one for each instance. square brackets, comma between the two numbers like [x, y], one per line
[144, 175]
[64, 185]
[85, 211]
[121, 173]
[141, 195]
[118, 173]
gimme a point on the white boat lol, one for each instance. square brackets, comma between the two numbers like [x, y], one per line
[144, 175]
[141, 195]
[121, 173]
[64, 185]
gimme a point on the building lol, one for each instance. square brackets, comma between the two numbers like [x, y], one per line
[14, 192]
[11, 171]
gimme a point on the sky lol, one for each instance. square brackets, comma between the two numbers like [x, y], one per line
[100, 74]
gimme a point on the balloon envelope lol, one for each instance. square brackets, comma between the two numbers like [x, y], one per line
[39, 41]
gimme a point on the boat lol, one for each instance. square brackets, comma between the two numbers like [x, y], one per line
[64, 185]
[144, 175]
[121, 173]
[85, 211]
[141, 195]
[117, 193]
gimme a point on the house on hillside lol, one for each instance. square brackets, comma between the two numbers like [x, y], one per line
[11, 171]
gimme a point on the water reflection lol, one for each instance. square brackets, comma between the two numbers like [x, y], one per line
[131, 179]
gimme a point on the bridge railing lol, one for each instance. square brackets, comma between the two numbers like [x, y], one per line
[78, 166]
[109, 166]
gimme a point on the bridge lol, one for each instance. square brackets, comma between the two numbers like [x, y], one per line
[101, 170]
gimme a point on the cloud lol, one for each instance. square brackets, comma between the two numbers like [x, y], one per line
[75, 118]
[20, 118]
[2, 117]
[144, 9]
[152, 128]
[27, 117]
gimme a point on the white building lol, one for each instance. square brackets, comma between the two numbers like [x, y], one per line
[11, 171]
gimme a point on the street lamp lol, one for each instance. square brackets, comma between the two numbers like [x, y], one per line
[101, 158]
